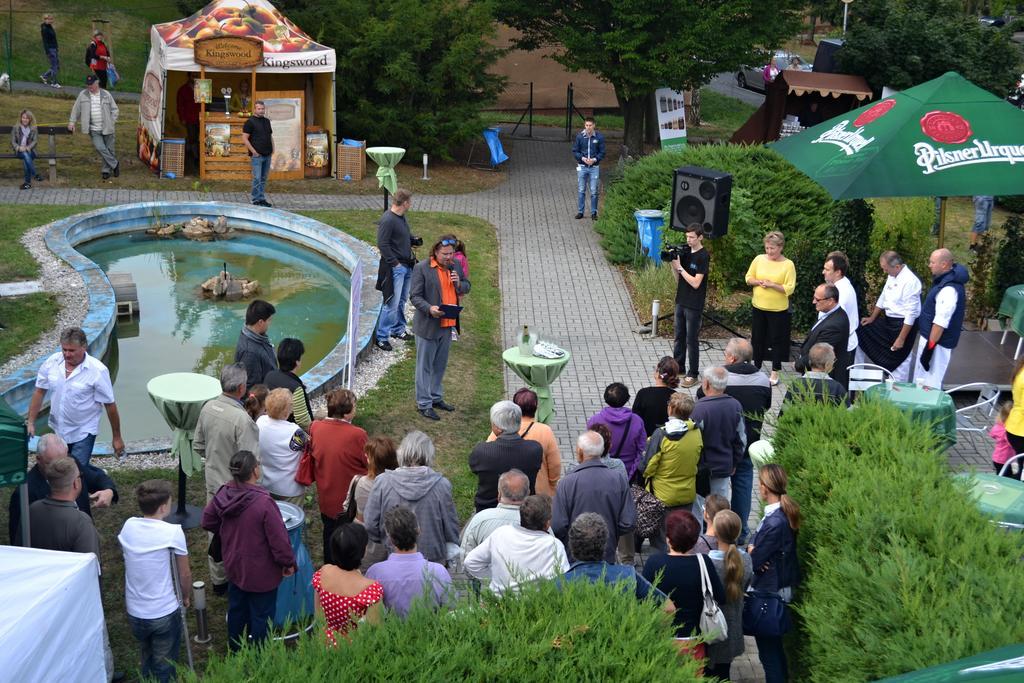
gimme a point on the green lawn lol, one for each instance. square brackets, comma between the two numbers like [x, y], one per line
[473, 383]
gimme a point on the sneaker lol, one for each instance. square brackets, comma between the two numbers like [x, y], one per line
[384, 345]
[444, 406]
[429, 413]
[43, 79]
[117, 171]
[405, 336]
[579, 216]
[105, 175]
[689, 381]
[39, 178]
[593, 216]
[26, 186]
[55, 84]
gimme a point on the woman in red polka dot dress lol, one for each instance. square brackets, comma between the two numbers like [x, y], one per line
[344, 595]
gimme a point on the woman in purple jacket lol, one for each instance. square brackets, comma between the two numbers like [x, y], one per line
[254, 545]
[629, 437]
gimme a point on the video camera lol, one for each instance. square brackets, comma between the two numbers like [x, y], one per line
[671, 252]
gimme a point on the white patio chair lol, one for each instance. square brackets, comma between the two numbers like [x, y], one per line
[977, 417]
[864, 375]
[1006, 465]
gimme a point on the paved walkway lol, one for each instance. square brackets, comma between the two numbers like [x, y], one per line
[552, 274]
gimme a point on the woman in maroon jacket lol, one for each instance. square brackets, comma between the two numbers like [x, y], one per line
[254, 545]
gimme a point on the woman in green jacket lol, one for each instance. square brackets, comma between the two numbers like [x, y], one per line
[670, 462]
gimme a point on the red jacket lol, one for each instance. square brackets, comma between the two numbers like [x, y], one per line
[338, 456]
[253, 540]
[188, 109]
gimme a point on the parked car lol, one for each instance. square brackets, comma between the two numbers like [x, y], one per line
[753, 77]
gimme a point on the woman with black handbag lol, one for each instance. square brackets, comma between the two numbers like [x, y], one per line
[773, 552]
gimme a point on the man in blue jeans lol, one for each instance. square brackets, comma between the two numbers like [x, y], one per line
[257, 135]
[982, 217]
[589, 151]
[395, 242]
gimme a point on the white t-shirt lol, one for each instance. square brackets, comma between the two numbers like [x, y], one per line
[147, 545]
[512, 555]
[281, 446]
[901, 296]
[76, 401]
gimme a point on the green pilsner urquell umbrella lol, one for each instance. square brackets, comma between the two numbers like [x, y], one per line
[946, 137]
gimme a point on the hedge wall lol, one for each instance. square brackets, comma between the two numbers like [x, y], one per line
[901, 571]
[769, 193]
[584, 633]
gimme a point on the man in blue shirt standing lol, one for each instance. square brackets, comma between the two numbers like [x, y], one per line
[589, 151]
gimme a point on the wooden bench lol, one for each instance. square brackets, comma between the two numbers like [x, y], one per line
[51, 132]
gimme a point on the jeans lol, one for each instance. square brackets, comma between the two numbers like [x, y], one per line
[742, 489]
[431, 362]
[249, 610]
[773, 659]
[82, 450]
[392, 317]
[686, 346]
[594, 174]
[51, 75]
[159, 645]
[260, 172]
[982, 213]
[104, 144]
[28, 161]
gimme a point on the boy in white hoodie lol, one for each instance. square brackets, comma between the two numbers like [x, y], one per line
[150, 545]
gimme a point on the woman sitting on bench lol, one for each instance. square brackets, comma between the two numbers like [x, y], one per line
[23, 140]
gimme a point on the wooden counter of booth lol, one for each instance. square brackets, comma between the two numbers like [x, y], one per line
[222, 151]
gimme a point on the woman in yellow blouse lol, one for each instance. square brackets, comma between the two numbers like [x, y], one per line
[773, 278]
[1015, 422]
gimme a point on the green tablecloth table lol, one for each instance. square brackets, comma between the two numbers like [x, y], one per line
[386, 159]
[179, 396]
[539, 374]
[1000, 498]
[1012, 308]
[926, 406]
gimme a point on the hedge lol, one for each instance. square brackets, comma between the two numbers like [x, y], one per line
[901, 571]
[585, 632]
[769, 193]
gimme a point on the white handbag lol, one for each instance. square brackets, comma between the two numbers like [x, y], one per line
[712, 620]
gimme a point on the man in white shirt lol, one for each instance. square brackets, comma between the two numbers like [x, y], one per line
[150, 545]
[888, 341]
[513, 487]
[512, 555]
[942, 317]
[80, 391]
[834, 271]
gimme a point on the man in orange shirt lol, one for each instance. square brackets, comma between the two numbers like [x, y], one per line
[436, 282]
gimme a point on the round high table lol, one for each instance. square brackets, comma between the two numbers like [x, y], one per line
[924, 406]
[539, 374]
[999, 498]
[179, 396]
[386, 159]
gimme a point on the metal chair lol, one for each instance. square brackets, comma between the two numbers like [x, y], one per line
[1006, 465]
[864, 375]
[976, 417]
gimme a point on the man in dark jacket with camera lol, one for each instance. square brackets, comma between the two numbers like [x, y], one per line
[395, 241]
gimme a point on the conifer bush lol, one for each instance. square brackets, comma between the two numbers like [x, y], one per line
[900, 570]
[581, 633]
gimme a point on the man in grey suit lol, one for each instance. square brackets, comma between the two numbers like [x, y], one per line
[435, 282]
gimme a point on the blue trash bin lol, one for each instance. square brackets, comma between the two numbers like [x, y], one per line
[649, 226]
[295, 594]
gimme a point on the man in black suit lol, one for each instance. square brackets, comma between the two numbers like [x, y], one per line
[832, 328]
[435, 282]
[490, 459]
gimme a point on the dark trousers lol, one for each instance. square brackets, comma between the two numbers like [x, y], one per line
[159, 645]
[1017, 444]
[769, 334]
[742, 489]
[687, 333]
[248, 610]
[102, 75]
[330, 524]
[719, 671]
[773, 659]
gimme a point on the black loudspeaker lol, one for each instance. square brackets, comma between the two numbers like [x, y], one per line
[701, 195]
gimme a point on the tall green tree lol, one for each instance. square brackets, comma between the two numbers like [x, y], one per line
[901, 43]
[638, 46]
[410, 73]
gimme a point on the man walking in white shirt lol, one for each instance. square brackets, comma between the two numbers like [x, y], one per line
[513, 555]
[80, 390]
[888, 341]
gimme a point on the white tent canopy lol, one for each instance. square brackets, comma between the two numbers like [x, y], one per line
[51, 616]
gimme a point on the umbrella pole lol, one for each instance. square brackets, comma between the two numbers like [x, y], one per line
[942, 220]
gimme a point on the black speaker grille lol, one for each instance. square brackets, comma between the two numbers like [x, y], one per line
[707, 190]
[689, 210]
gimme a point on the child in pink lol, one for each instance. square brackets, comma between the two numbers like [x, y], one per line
[1002, 451]
[460, 256]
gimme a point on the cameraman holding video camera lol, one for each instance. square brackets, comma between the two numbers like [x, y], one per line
[690, 263]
